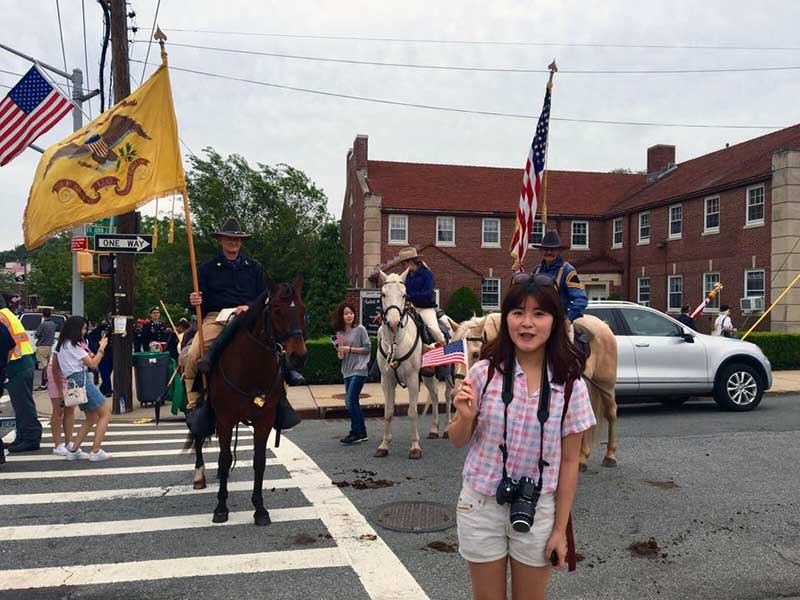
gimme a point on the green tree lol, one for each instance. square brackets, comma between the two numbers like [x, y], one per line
[463, 305]
[51, 272]
[327, 281]
[280, 206]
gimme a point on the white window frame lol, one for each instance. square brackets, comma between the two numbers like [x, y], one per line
[574, 246]
[639, 291]
[446, 242]
[484, 243]
[670, 308]
[706, 290]
[747, 293]
[670, 235]
[614, 244]
[755, 222]
[403, 242]
[499, 293]
[537, 224]
[708, 230]
[644, 240]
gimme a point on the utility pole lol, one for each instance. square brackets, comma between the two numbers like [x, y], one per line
[78, 97]
[124, 265]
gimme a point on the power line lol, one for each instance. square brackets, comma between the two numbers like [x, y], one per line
[150, 42]
[487, 42]
[8, 87]
[464, 110]
[485, 69]
[10, 73]
[61, 35]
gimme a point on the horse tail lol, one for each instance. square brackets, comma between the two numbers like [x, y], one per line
[596, 394]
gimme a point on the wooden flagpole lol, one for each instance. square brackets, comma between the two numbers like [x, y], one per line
[193, 262]
[778, 299]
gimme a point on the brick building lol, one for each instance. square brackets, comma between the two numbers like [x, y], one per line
[660, 238]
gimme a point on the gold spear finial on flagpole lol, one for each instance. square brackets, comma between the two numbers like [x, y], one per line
[161, 38]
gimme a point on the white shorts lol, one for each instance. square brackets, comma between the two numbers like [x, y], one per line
[485, 533]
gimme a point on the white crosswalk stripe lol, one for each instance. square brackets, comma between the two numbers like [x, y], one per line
[124, 501]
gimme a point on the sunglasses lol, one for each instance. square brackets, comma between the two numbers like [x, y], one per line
[538, 280]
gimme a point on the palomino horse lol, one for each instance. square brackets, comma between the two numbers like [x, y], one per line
[246, 383]
[600, 374]
[399, 359]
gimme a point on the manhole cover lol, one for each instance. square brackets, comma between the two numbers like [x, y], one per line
[415, 517]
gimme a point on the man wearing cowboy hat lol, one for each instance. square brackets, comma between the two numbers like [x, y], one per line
[229, 280]
[564, 275]
[420, 285]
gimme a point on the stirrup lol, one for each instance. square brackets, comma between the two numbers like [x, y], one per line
[285, 415]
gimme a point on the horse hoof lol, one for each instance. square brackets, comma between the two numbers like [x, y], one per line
[262, 519]
[583, 467]
[446, 435]
[433, 435]
[220, 517]
[609, 462]
[415, 454]
[381, 453]
[199, 485]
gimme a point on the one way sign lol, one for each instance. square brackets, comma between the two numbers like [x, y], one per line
[124, 243]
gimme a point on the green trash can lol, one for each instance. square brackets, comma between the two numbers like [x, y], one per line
[151, 371]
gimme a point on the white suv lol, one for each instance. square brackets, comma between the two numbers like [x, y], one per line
[658, 357]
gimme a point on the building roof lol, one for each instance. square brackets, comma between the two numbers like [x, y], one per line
[741, 162]
[442, 188]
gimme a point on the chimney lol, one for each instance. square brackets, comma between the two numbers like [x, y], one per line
[659, 158]
[360, 152]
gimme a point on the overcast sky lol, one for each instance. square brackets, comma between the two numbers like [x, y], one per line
[314, 132]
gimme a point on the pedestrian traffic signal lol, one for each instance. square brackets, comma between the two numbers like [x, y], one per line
[105, 264]
[85, 263]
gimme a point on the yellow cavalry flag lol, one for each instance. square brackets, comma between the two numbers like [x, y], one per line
[124, 158]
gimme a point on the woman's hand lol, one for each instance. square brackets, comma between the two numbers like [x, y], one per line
[340, 352]
[557, 543]
[103, 343]
[465, 401]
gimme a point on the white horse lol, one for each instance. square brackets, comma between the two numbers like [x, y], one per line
[399, 359]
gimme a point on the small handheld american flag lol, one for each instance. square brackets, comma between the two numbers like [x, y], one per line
[30, 109]
[452, 353]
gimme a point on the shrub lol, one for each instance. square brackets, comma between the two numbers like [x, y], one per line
[614, 296]
[463, 304]
[322, 364]
[782, 349]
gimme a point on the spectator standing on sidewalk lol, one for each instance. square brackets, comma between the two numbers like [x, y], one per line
[74, 358]
[353, 349]
[63, 417]
[104, 328]
[19, 371]
[45, 338]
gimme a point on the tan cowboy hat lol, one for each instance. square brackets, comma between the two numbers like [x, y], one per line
[409, 253]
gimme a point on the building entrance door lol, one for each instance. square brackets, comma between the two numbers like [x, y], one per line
[596, 291]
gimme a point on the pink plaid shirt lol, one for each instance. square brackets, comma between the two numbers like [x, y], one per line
[483, 467]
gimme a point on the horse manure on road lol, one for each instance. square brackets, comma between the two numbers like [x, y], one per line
[664, 485]
[369, 537]
[303, 539]
[365, 483]
[648, 549]
[441, 546]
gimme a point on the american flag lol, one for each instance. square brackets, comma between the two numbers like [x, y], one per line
[706, 301]
[31, 108]
[531, 184]
[452, 353]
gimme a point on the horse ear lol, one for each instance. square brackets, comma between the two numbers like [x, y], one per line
[403, 275]
[383, 275]
[298, 281]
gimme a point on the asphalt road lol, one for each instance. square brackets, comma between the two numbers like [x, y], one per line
[717, 493]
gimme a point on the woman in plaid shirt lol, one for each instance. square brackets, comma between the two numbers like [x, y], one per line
[533, 334]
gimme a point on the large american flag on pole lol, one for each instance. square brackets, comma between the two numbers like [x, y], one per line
[531, 184]
[31, 108]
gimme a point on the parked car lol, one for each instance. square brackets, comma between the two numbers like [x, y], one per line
[660, 358]
[31, 321]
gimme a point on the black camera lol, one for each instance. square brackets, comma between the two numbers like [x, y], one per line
[523, 496]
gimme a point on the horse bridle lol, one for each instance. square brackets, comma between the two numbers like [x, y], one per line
[483, 340]
[401, 311]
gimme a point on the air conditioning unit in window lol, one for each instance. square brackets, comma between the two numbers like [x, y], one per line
[752, 304]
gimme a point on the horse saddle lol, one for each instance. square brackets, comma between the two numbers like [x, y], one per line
[583, 337]
[424, 334]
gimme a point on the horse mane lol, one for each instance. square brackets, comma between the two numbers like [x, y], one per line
[463, 329]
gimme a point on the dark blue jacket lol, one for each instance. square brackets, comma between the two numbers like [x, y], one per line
[224, 286]
[419, 288]
[570, 287]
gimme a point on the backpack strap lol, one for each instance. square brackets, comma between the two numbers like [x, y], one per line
[572, 558]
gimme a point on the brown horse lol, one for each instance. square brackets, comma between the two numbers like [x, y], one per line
[246, 383]
[600, 374]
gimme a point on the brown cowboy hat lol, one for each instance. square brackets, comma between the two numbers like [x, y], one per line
[409, 253]
[552, 240]
[231, 228]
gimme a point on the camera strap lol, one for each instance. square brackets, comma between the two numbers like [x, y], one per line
[542, 413]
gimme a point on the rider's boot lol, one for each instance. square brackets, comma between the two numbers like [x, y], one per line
[285, 415]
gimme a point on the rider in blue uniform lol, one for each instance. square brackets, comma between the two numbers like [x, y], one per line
[564, 274]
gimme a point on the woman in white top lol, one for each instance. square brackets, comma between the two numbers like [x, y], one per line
[723, 326]
[73, 358]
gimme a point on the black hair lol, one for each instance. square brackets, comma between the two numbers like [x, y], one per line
[337, 315]
[72, 331]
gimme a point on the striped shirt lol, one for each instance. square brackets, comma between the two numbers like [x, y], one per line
[483, 468]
